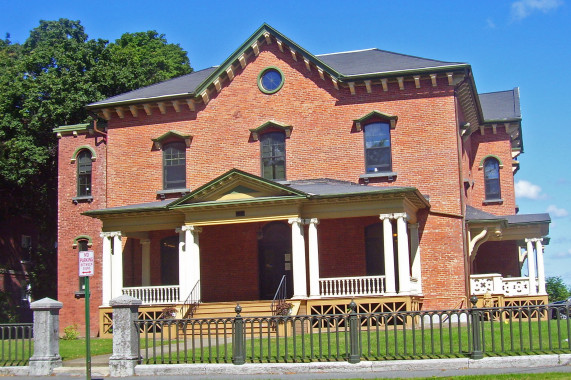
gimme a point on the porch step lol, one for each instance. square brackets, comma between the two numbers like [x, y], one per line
[228, 309]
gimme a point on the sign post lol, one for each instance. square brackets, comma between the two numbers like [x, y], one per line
[86, 264]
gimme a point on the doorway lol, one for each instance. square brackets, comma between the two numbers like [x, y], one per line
[274, 252]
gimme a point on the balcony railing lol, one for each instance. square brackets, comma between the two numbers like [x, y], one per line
[352, 286]
[151, 295]
[494, 283]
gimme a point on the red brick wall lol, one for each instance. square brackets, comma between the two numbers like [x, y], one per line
[498, 257]
[72, 224]
[323, 144]
[442, 262]
[498, 145]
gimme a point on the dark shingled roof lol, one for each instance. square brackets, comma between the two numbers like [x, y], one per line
[474, 214]
[362, 62]
[327, 186]
[501, 105]
[528, 218]
[373, 61]
[177, 86]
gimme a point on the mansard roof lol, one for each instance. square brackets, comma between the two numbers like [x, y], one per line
[344, 66]
[501, 105]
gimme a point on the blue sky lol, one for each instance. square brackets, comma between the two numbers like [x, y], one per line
[509, 44]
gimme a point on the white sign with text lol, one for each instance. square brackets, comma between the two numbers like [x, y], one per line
[86, 263]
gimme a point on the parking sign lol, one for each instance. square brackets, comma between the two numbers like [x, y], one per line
[86, 263]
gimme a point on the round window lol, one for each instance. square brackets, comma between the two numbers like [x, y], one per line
[270, 80]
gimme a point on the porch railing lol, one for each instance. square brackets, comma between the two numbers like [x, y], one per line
[150, 295]
[352, 286]
[192, 301]
[280, 296]
[494, 283]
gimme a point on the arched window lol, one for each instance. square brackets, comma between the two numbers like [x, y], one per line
[378, 147]
[272, 145]
[84, 173]
[492, 179]
[174, 166]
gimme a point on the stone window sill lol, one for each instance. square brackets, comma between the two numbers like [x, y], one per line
[391, 176]
[87, 198]
[493, 201]
[164, 193]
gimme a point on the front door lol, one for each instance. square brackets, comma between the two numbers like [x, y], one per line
[169, 261]
[274, 249]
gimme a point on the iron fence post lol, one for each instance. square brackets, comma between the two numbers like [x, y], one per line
[477, 352]
[354, 331]
[238, 343]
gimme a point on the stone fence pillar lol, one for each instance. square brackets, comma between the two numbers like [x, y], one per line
[125, 336]
[46, 337]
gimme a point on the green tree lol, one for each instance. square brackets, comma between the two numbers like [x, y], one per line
[46, 82]
[556, 289]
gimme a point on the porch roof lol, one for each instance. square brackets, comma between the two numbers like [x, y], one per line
[308, 189]
[474, 215]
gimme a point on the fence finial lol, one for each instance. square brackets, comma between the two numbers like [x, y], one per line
[238, 309]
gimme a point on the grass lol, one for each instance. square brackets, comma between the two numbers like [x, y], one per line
[380, 343]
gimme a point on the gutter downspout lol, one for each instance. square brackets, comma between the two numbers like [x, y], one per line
[95, 118]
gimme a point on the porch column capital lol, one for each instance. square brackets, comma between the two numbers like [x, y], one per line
[313, 221]
[295, 220]
[110, 235]
[385, 216]
[190, 228]
[413, 226]
[401, 215]
[534, 240]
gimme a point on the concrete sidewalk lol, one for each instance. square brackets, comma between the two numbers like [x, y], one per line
[337, 370]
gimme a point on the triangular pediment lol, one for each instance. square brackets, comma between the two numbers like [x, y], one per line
[236, 185]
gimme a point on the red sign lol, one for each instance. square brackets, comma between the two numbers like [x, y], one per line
[86, 263]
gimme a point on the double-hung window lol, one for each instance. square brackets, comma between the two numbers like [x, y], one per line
[378, 147]
[492, 179]
[174, 166]
[84, 173]
[273, 155]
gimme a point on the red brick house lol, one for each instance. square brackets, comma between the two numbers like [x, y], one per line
[366, 174]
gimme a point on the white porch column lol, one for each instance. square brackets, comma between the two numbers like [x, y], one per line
[298, 258]
[390, 286]
[415, 253]
[403, 254]
[188, 260]
[145, 262]
[531, 267]
[117, 267]
[106, 268]
[313, 259]
[540, 268]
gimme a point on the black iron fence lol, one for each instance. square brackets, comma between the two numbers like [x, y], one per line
[353, 337]
[15, 343]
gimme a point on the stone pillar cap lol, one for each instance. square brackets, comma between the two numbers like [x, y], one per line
[46, 304]
[125, 301]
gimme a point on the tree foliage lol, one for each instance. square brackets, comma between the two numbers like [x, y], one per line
[556, 289]
[45, 83]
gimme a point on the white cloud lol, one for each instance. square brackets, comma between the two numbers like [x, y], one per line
[557, 212]
[490, 23]
[523, 8]
[562, 254]
[525, 189]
